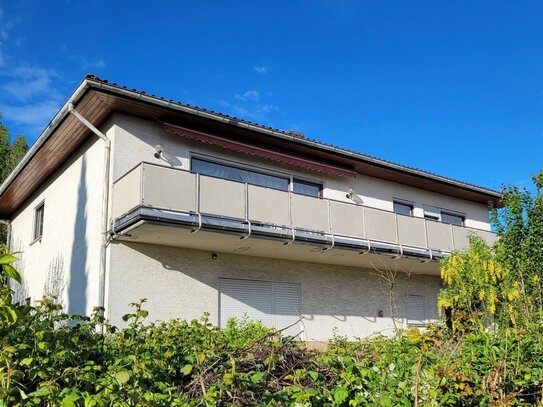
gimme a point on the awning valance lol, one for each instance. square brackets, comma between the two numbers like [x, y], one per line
[259, 151]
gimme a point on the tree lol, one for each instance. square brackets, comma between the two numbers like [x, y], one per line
[5, 151]
[10, 155]
[502, 283]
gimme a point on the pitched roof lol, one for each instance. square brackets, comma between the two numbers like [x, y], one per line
[97, 98]
[294, 135]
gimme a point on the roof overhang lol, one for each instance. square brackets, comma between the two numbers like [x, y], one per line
[96, 100]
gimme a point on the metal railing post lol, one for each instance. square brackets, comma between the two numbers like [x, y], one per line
[142, 183]
[330, 227]
[397, 228]
[426, 234]
[364, 223]
[246, 193]
[452, 237]
[197, 194]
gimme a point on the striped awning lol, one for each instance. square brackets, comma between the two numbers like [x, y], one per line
[259, 151]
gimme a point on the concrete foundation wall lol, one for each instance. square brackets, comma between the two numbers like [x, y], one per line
[181, 283]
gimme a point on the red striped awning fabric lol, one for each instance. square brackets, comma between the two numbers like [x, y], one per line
[259, 152]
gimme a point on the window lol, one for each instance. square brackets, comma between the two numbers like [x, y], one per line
[437, 214]
[253, 177]
[38, 221]
[403, 208]
[239, 174]
[431, 213]
[306, 188]
[452, 219]
[275, 304]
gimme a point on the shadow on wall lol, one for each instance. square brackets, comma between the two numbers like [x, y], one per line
[77, 297]
[55, 283]
[341, 293]
[20, 291]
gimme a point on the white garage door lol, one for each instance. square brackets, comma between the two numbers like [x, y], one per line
[275, 304]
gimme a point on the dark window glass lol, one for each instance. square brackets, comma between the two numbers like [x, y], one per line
[239, 174]
[452, 219]
[306, 188]
[403, 208]
[38, 221]
[430, 217]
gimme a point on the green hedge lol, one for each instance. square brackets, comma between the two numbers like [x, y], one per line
[49, 358]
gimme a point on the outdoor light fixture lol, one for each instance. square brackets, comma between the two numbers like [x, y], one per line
[159, 150]
[354, 197]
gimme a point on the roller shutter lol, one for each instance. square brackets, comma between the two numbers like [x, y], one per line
[416, 310]
[276, 304]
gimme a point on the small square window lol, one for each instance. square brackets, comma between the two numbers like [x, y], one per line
[403, 208]
[38, 221]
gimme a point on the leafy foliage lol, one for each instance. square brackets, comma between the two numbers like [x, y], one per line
[50, 358]
[493, 356]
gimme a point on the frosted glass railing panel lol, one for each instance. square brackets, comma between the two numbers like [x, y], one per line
[347, 219]
[221, 197]
[461, 236]
[380, 225]
[169, 189]
[439, 236]
[411, 231]
[309, 213]
[268, 206]
[176, 190]
[127, 192]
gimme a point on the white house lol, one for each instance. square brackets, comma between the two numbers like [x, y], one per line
[127, 195]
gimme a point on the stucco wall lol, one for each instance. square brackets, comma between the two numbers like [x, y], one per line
[181, 283]
[135, 141]
[65, 261]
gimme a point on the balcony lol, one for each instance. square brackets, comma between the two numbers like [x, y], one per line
[152, 194]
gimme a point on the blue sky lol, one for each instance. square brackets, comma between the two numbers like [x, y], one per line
[452, 87]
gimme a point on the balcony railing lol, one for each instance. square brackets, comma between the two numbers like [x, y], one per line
[154, 186]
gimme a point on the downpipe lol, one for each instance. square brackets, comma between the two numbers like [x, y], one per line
[105, 205]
